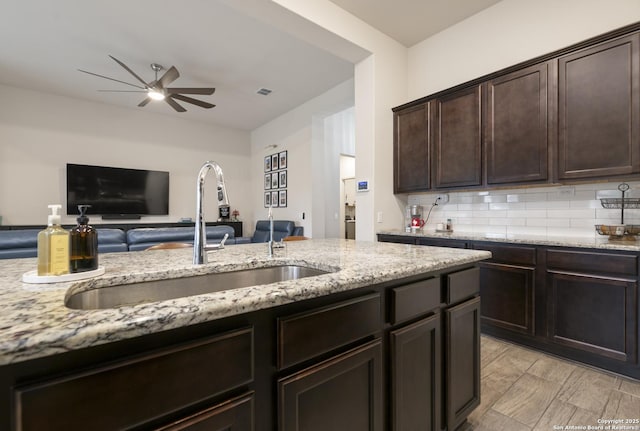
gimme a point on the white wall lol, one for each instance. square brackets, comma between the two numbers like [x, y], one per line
[507, 33]
[40, 133]
[380, 84]
[300, 132]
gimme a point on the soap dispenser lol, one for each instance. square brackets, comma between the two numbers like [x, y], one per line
[53, 246]
[84, 244]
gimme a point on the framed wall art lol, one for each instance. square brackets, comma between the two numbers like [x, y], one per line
[275, 179]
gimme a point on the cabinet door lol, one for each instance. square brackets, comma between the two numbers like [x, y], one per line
[462, 361]
[517, 125]
[411, 149]
[341, 394]
[416, 376]
[457, 139]
[599, 110]
[598, 315]
[507, 293]
[233, 415]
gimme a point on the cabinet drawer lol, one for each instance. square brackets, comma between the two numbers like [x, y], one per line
[309, 334]
[461, 285]
[412, 300]
[232, 415]
[592, 262]
[140, 389]
[514, 255]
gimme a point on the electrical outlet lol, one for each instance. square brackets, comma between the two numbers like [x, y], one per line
[566, 191]
[442, 199]
[379, 216]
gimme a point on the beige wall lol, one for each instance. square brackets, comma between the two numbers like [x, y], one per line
[40, 133]
[507, 33]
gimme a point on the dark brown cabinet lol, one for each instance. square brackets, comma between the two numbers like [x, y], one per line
[582, 304]
[233, 415]
[343, 393]
[507, 287]
[411, 149]
[462, 361]
[518, 131]
[457, 139]
[138, 390]
[593, 303]
[368, 359]
[599, 110]
[416, 372]
[569, 115]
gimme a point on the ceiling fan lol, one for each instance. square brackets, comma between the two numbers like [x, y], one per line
[158, 90]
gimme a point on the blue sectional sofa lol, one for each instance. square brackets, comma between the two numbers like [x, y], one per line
[24, 242]
[281, 229]
[143, 238]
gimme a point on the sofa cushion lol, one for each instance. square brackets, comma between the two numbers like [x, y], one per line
[111, 240]
[18, 243]
[281, 229]
[143, 238]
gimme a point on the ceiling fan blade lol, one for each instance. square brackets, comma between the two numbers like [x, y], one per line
[175, 105]
[208, 91]
[191, 100]
[112, 79]
[129, 70]
[169, 76]
[145, 101]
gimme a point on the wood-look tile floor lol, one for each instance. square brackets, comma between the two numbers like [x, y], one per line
[524, 390]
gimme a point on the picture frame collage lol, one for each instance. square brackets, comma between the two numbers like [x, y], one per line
[275, 180]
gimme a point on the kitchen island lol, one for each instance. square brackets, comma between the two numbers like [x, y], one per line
[333, 350]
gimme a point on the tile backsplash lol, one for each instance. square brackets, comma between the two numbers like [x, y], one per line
[570, 210]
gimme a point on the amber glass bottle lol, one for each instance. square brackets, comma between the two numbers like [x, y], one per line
[84, 244]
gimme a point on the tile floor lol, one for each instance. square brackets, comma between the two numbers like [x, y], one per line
[524, 390]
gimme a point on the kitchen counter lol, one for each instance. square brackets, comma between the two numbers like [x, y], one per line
[35, 322]
[598, 243]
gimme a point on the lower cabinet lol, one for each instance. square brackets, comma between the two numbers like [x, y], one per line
[592, 304]
[507, 287]
[463, 361]
[578, 303]
[416, 375]
[344, 393]
[139, 390]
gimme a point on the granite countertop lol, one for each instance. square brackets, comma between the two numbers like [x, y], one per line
[35, 322]
[601, 242]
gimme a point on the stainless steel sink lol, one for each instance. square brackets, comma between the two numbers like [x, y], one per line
[160, 290]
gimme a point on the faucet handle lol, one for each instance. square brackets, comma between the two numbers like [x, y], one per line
[219, 246]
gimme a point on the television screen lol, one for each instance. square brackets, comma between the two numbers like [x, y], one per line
[117, 190]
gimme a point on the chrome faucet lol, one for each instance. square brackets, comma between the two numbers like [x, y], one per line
[272, 244]
[270, 215]
[200, 247]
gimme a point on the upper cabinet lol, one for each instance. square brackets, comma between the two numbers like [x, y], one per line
[517, 130]
[411, 149]
[569, 115]
[599, 114]
[457, 139]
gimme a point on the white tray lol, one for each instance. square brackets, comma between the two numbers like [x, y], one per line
[34, 278]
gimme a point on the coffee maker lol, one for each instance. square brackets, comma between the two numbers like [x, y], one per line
[413, 220]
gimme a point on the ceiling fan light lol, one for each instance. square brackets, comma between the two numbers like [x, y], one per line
[156, 95]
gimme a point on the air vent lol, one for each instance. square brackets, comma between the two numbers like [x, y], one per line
[264, 91]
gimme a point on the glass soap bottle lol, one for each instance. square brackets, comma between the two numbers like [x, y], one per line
[84, 244]
[53, 246]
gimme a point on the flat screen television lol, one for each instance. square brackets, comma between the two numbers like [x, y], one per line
[119, 192]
